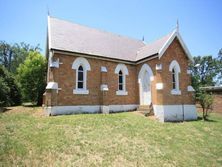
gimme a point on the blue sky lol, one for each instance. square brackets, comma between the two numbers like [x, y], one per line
[200, 21]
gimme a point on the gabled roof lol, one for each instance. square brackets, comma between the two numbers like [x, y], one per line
[71, 37]
[151, 48]
[159, 46]
[174, 35]
[77, 38]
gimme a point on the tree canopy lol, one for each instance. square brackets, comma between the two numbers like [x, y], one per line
[32, 77]
[206, 71]
[9, 91]
[13, 55]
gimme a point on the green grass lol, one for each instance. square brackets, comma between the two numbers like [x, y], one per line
[27, 138]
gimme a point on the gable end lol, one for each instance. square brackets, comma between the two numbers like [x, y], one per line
[174, 35]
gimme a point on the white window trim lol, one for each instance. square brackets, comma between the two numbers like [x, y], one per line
[80, 61]
[80, 91]
[123, 83]
[175, 92]
[125, 72]
[175, 65]
[121, 93]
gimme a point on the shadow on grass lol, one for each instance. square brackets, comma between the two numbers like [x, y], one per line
[206, 120]
[91, 113]
[3, 109]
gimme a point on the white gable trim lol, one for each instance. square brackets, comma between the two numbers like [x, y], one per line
[170, 40]
[49, 33]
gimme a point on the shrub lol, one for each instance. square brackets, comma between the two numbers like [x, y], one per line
[206, 101]
[32, 78]
[9, 91]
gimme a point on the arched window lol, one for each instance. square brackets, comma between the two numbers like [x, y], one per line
[81, 66]
[122, 71]
[80, 77]
[174, 78]
[175, 70]
[120, 80]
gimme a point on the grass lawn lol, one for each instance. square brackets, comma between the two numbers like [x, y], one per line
[28, 138]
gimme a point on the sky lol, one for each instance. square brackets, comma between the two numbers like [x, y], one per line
[200, 21]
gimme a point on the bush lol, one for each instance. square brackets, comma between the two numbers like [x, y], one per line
[9, 91]
[32, 78]
[4, 94]
[206, 101]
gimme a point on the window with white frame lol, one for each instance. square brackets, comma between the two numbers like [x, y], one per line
[121, 70]
[175, 70]
[120, 80]
[80, 77]
[173, 79]
[81, 66]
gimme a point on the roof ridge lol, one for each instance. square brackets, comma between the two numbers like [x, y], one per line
[100, 30]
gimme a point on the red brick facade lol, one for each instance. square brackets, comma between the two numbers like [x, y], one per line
[65, 76]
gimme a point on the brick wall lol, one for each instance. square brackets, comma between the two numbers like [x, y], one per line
[174, 52]
[217, 104]
[65, 76]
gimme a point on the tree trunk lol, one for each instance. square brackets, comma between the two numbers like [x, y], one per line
[10, 61]
[204, 117]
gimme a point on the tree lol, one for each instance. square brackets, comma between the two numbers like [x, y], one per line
[4, 93]
[206, 74]
[9, 91]
[5, 54]
[13, 55]
[220, 53]
[206, 101]
[219, 58]
[32, 77]
[206, 71]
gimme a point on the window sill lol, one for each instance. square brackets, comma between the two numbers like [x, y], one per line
[121, 93]
[81, 91]
[175, 92]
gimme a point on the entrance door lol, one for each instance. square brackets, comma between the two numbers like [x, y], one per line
[144, 80]
[145, 89]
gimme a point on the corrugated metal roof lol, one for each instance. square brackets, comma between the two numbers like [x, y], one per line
[67, 36]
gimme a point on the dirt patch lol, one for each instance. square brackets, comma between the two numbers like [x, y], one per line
[35, 111]
[152, 117]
